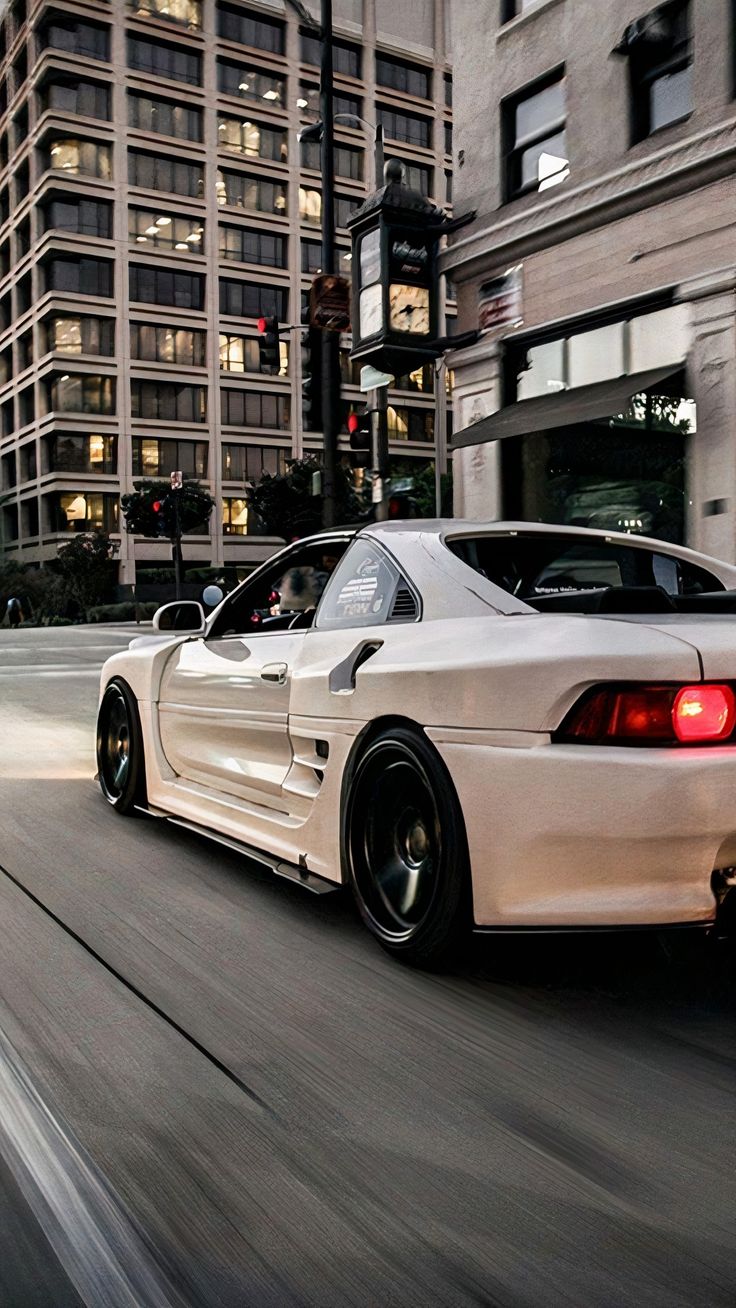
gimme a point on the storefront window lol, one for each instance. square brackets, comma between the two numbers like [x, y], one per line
[621, 473]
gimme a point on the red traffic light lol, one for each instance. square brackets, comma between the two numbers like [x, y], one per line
[156, 506]
[353, 422]
[262, 324]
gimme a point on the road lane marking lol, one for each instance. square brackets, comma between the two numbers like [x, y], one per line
[139, 994]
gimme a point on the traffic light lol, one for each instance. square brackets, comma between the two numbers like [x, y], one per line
[359, 428]
[402, 506]
[311, 376]
[158, 509]
[268, 345]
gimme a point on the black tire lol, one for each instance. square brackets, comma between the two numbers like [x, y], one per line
[120, 762]
[406, 850]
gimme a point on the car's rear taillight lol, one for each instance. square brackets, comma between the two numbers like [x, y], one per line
[704, 713]
[651, 715]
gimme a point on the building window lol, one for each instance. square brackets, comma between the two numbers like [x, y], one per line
[77, 36]
[659, 50]
[349, 162]
[512, 8]
[83, 158]
[165, 231]
[176, 62]
[346, 106]
[245, 300]
[243, 192]
[248, 463]
[421, 379]
[405, 127]
[81, 276]
[155, 458]
[186, 13]
[234, 517]
[418, 177]
[310, 206]
[88, 99]
[250, 83]
[165, 286]
[168, 401]
[253, 247]
[311, 258]
[242, 354]
[255, 461]
[28, 462]
[535, 151]
[152, 114]
[410, 424]
[82, 511]
[74, 335]
[81, 393]
[72, 452]
[255, 409]
[248, 29]
[167, 344]
[345, 206]
[448, 138]
[85, 217]
[310, 154]
[400, 76]
[345, 57]
[154, 173]
[252, 139]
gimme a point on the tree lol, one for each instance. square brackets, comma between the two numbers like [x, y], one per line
[287, 506]
[155, 508]
[84, 569]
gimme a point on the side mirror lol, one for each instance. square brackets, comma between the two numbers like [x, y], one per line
[182, 615]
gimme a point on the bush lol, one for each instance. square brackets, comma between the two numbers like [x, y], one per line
[125, 612]
[56, 621]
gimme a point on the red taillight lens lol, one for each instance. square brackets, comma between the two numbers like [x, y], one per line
[651, 715]
[704, 713]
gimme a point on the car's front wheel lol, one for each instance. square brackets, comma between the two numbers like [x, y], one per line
[406, 849]
[120, 765]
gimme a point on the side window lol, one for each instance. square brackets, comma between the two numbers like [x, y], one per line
[688, 578]
[366, 590]
[581, 567]
[282, 596]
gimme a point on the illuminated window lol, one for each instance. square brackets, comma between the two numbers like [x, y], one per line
[234, 517]
[187, 13]
[165, 231]
[83, 158]
[250, 83]
[252, 139]
[242, 354]
[310, 206]
[243, 192]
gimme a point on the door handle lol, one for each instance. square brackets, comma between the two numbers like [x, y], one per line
[274, 672]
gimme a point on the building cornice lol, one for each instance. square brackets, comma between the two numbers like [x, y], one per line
[697, 161]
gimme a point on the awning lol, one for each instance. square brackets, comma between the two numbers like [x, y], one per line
[562, 408]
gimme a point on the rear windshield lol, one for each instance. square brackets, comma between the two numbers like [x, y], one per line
[536, 566]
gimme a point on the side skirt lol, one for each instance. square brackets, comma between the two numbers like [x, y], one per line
[300, 876]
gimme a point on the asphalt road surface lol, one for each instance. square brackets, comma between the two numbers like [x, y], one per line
[215, 1089]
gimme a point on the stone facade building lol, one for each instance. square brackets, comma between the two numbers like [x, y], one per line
[597, 142]
[154, 202]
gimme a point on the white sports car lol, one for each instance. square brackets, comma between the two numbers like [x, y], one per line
[490, 725]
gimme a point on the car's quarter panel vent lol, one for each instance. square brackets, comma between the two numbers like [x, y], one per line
[404, 607]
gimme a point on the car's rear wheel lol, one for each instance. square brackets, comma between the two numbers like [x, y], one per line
[120, 765]
[406, 849]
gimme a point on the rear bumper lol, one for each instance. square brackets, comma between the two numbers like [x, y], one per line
[564, 836]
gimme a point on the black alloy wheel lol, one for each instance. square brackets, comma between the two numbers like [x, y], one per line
[406, 849]
[120, 749]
